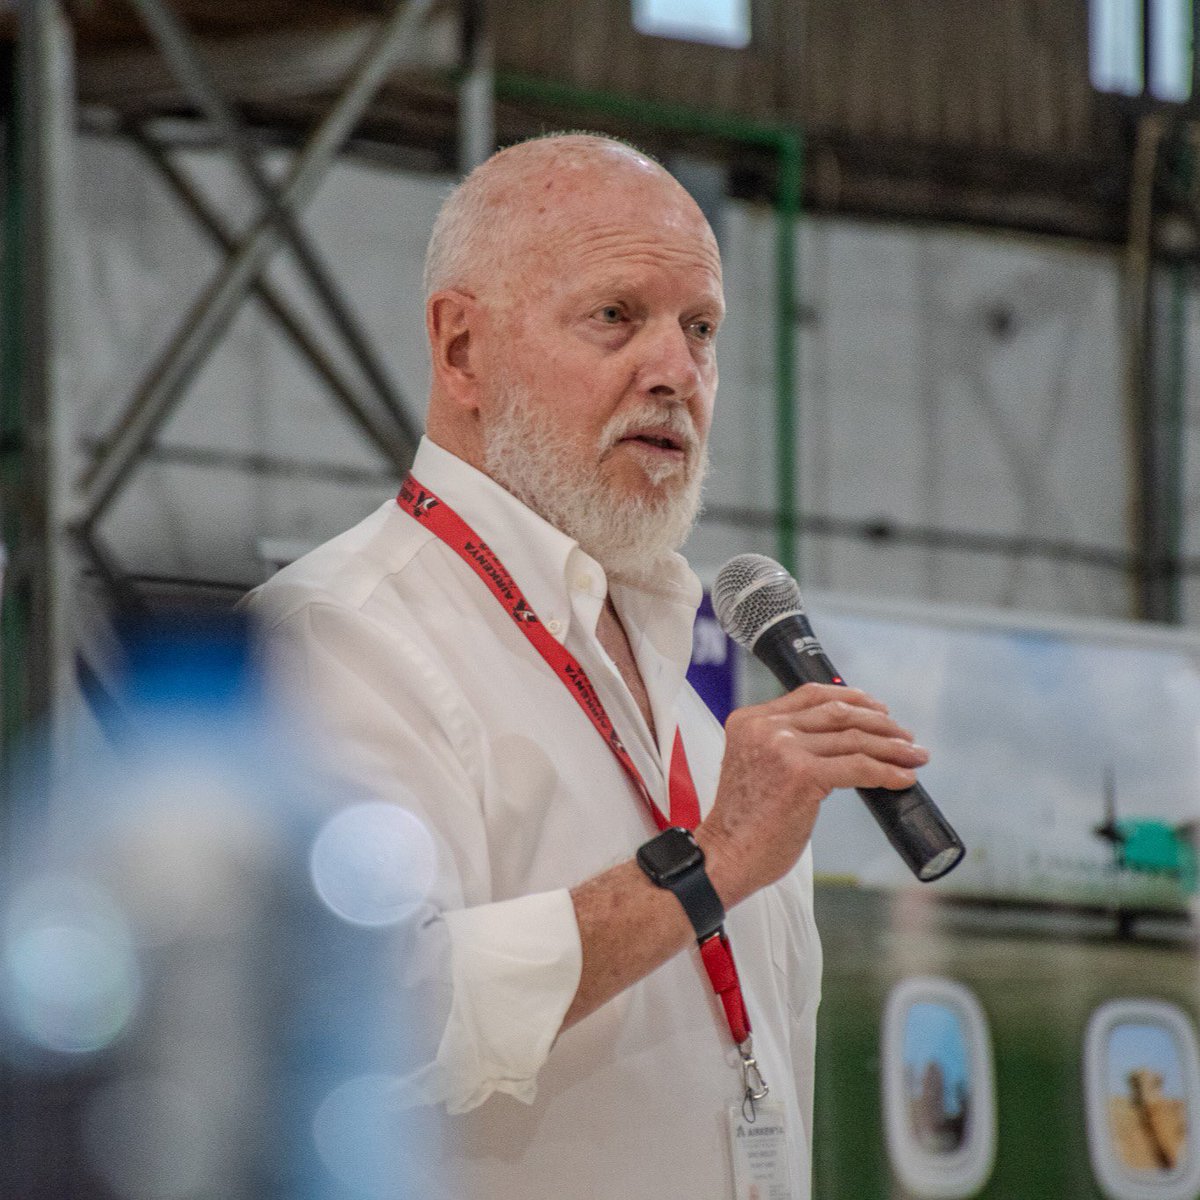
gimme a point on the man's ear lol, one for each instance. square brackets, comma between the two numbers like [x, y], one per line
[452, 324]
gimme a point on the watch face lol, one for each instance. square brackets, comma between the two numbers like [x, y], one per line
[673, 851]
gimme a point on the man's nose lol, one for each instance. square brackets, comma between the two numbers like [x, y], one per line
[669, 366]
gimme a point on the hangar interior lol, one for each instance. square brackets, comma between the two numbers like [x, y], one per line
[957, 400]
[959, 246]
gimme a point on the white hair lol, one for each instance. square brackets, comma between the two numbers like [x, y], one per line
[477, 221]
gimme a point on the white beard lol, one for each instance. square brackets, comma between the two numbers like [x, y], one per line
[624, 534]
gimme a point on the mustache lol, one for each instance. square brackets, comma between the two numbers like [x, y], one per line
[670, 417]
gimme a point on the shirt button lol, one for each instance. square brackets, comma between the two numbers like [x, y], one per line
[554, 625]
[583, 583]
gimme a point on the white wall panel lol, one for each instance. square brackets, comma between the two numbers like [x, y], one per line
[949, 381]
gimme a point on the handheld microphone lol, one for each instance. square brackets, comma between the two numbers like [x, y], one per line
[758, 604]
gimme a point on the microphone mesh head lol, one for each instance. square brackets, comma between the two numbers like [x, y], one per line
[752, 592]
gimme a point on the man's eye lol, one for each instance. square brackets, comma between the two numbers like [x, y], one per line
[704, 330]
[610, 314]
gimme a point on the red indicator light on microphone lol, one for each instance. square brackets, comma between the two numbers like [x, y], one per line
[839, 679]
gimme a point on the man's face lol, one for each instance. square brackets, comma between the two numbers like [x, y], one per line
[605, 362]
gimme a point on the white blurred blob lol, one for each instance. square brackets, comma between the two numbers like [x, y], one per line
[150, 1140]
[357, 1135]
[373, 864]
[70, 975]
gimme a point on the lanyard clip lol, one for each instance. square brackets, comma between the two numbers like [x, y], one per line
[755, 1085]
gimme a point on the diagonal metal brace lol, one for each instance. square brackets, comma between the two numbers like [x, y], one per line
[215, 308]
[188, 64]
[390, 441]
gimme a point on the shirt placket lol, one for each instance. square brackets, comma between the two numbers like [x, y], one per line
[617, 698]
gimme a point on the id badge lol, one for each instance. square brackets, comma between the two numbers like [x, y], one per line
[760, 1150]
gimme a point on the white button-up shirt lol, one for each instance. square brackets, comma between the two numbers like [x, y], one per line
[440, 704]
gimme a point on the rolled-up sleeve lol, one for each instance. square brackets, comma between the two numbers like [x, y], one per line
[515, 969]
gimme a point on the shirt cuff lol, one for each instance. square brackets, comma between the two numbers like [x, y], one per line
[515, 968]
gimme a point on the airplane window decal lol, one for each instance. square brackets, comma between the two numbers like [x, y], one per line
[1142, 1082]
[938, 1090]
[937, 1077]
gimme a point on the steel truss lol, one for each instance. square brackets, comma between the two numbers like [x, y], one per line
[54, 517]
[391, 430]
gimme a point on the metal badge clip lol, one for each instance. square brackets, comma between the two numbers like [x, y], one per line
[755, 1085]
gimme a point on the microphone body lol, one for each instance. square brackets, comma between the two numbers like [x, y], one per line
[784, 642]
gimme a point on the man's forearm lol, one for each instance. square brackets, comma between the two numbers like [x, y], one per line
[627, 928]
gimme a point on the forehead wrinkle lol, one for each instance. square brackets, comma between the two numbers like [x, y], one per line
[614, 250]
[617, 234]
[648, 252]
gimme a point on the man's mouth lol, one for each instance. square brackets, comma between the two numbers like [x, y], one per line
[657, 440]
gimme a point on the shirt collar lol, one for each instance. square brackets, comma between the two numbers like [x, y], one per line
[548, 565]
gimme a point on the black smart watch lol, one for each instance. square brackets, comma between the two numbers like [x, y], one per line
[675, 861]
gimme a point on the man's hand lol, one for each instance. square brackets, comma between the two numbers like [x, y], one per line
[781, 760]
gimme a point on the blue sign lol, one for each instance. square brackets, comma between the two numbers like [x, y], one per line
[712, 669]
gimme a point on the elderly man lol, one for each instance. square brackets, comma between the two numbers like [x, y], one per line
[503, 652]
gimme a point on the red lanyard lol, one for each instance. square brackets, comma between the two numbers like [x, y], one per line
[420, 503]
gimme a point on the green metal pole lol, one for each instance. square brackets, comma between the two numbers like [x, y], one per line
[788, 145]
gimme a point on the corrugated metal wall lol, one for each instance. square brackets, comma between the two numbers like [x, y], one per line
[1006, 76]
[966, 110]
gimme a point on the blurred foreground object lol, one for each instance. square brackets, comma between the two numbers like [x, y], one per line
[199, 980]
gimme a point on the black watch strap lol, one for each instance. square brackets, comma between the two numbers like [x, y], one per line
[694, 890]
[674, 861]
